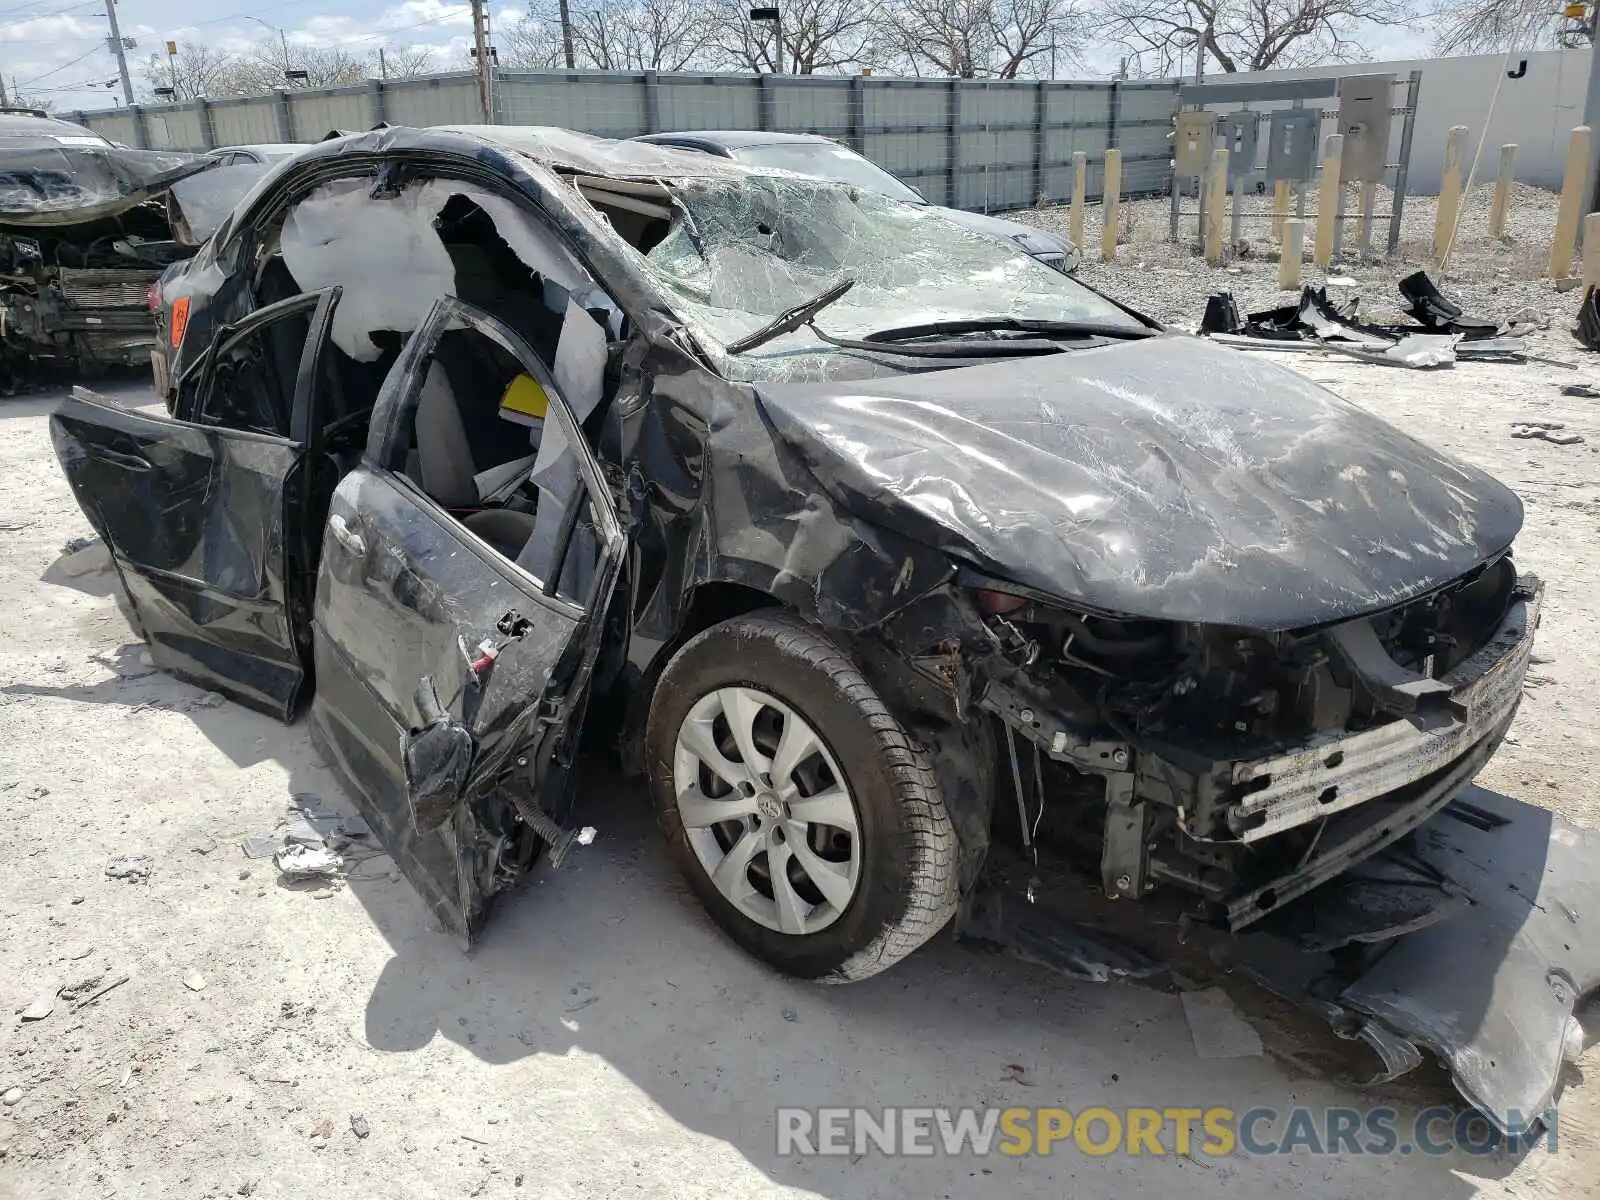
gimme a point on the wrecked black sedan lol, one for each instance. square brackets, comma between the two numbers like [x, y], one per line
[86, 228]
[843, 521]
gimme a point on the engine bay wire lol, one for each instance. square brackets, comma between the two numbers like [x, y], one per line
[1016, 781]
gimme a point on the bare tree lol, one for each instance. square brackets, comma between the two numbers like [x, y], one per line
[1484, 26]
[530, 43]
[636, 35]
[1246, 35]
[265, 68]
[972, 39]
[1029, 33]
[401, 62]
[818, 36]
[20, 99]
[195, 70]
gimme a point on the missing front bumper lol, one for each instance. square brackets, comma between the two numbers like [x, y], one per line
[1397, 776]
[1338, 773]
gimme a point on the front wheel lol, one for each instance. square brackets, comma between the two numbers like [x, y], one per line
[806, 820]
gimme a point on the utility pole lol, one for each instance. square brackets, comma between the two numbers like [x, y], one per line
[121, 51]
[566, 35]
[383, 67]
[480, 52]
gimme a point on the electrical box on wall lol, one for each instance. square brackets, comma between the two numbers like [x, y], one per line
[1194, 136]
[1292, 145]
[1239, 133]
[1364, 121]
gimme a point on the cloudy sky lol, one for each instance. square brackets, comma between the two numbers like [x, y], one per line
[56, 48]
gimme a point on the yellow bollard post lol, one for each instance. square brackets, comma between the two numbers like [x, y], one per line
[1289, 258]
[1502, 190]
[1572, 204]
[1444, 221]
[1216, 205]
[1108, 205]
[1591, 250]
[1328, 200]
[1280, 208]
[1080, 191]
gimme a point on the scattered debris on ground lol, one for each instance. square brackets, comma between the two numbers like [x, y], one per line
[315, 842]
[1441, 334]
[301, 863]
[135, 868]
[43, 1005]
[1550, 431]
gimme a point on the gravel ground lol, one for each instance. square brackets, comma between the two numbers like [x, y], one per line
[1170, 281]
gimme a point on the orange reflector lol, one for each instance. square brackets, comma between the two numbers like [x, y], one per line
[1576, 11]
[180, 320]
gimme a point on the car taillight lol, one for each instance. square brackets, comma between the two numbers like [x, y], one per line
[152, 297]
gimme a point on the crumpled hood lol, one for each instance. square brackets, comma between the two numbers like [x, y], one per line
[1166, 478]
[45, 186]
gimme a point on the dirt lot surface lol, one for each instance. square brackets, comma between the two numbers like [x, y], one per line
[604, 1040]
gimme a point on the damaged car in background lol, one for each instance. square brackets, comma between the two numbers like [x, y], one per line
[888, 554]
[86, 228]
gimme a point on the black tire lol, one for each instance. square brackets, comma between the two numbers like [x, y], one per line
[908, 888]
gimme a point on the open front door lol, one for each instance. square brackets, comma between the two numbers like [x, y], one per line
[201, 515]
[412, 606]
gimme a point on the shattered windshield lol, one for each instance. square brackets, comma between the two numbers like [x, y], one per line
[827, 161]
[741, 252]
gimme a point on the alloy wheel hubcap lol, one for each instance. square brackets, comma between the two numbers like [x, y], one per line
[767, 810]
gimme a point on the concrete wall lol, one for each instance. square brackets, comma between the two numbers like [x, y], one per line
[1537, 111]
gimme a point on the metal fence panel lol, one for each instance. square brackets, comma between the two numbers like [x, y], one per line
[315, 114]
[118, 126]
[174, 127]
[707, 102]
[997, 102]
[610, 104]
[818, 105]
[434, 100]
[242, 122]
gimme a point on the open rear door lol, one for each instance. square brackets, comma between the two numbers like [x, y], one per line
[412, 608]
[202, 517]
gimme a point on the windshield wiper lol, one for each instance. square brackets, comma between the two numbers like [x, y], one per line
[957, 341]
[951, 348]
[791, 319]
[1043, 327]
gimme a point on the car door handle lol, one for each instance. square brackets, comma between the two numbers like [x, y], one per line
[116, 458]
[346, 536]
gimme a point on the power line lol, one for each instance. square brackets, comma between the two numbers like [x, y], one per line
[40, 16]
[54, 70]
